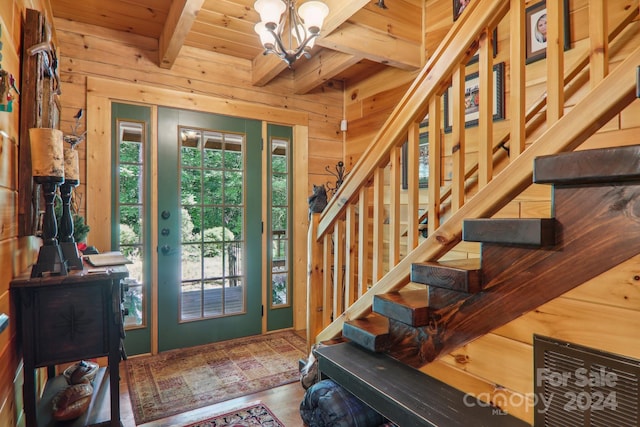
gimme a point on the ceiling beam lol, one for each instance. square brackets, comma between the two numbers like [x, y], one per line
[322, 66]
[267, 67]
[339, 12]
[374, 46]
[181, 16]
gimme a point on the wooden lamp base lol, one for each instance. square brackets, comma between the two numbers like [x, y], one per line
[50, 259]
[67, 241]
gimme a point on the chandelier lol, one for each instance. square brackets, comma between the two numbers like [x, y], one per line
[286, 32]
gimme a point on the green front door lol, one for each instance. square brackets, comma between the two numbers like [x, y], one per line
[209, 228]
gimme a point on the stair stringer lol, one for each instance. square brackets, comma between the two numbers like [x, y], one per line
[599, 228]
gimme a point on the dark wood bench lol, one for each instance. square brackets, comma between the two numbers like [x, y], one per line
[405, 395]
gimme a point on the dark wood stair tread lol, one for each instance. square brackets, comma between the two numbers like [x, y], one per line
[412, 307]
[604, 165]
[371, 332]
[457, 275]
[403, 394]
[533, 232]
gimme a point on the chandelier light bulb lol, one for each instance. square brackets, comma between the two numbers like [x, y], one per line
[266, 37]
[270, 10]
[304, 35]
[313, 14]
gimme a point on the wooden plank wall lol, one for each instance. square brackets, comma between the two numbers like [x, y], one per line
[16, 254]
[602, 313]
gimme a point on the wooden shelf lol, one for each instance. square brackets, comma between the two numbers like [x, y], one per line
[66, 319]
[98, 413]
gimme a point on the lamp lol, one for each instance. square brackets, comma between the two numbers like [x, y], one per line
[47, 168]
[278, 17]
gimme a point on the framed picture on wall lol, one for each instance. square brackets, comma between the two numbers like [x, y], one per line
[423, 157]
[472, 98]
[536, 31]
[458, 7]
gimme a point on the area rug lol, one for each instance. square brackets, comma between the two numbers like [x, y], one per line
[181, 380]
[254, 415]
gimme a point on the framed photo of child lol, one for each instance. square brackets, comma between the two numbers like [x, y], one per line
[536, 30]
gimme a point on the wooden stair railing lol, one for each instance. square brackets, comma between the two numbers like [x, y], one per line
[576, 76]
[455, 49]
[352, 201]
[353, 196]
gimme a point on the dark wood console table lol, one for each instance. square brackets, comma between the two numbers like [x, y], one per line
[66, 319]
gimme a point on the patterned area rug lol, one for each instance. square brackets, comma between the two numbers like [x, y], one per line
[181, 380]
[254, 415]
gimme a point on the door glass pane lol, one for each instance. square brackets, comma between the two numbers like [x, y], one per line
[213, 152]
[280, 197]
[213, 184]
[233, 296]
[233, 188]
[214, 257]
[191, 148]
[191, 261]
[191, 186]
[233, 221]
[190, 300]
[213, 298]
[235, 262]
[233, 153]
[280, 182]
[212, 197]
[130, 210]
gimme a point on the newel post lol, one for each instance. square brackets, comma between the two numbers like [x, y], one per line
[314, 280]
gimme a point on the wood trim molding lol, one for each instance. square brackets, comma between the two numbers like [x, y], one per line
[141, 94]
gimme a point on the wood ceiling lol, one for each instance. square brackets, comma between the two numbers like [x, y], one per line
[358, 37]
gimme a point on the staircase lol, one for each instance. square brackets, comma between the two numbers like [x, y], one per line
[392, 329]
[524, 263]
